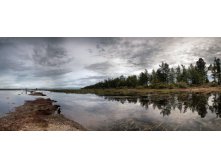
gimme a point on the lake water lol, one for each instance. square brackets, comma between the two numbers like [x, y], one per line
[152, 112]
[10, 99]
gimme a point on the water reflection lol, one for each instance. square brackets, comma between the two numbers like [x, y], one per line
[166, 103]
[151, 112]
[9, 99]
[216, 105]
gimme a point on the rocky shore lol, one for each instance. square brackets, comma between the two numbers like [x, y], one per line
[38, 115]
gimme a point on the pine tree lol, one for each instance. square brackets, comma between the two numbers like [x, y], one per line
[201, 69]
[172, 76]
[143, 78]
[153, 78]
[194, 75]
[163, 73]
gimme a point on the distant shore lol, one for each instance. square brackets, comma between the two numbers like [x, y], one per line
[138, 91]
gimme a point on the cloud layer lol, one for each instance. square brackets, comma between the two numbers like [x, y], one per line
[77, 62]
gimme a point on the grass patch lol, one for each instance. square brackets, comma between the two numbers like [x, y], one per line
[139, 91]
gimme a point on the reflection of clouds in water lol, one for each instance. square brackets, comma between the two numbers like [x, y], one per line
[96, 112]
[11, 99]
[93, 111]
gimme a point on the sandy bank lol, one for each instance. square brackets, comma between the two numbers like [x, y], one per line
[38, 115]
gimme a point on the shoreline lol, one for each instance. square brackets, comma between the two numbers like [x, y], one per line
[137, 91]
[38, 115]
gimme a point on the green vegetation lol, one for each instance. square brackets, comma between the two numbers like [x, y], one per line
[167, 78]
[215, 69]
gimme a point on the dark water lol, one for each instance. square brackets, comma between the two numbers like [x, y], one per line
[152, 112]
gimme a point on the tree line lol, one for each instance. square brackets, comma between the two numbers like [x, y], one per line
[168, 77]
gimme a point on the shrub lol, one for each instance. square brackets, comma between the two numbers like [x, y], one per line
[140, 87]
[213, 84]
[181, 85]
[159, 86]
[171, 86]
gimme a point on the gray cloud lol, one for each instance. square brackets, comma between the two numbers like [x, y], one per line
[67, 62]
[149, 52]
[50, 56]
[102, 67]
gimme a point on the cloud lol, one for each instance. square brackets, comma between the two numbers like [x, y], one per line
[66, 62]
[102, 67]
[50, 55]
[81, 82]
[147, 53]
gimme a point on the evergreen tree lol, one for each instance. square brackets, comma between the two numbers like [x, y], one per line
[153, 78]
[202, 70]
[122, 81]
[163, 73]
[184, 75]
[143, 78]
[132, 81]
[172, 76]
[215, 69]
[194, 75]
[178, 74]
[218, 66]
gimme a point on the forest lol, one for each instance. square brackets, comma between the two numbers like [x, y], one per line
[197, 74]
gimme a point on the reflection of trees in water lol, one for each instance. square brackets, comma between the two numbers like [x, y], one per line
[132, 100]
[119, 99]
[122, 99]
[166, 103]
[216, 105]
[145, 102]
[200, 104]
[195, 102]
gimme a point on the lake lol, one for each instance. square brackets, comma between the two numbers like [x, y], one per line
[9, 99]
[150, 112]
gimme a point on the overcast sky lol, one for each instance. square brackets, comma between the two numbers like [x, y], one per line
[77, 62]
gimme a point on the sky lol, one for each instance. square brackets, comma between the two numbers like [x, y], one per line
[78, 62]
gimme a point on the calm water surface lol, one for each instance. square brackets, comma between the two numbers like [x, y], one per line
[152, 112]
[10, 99]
